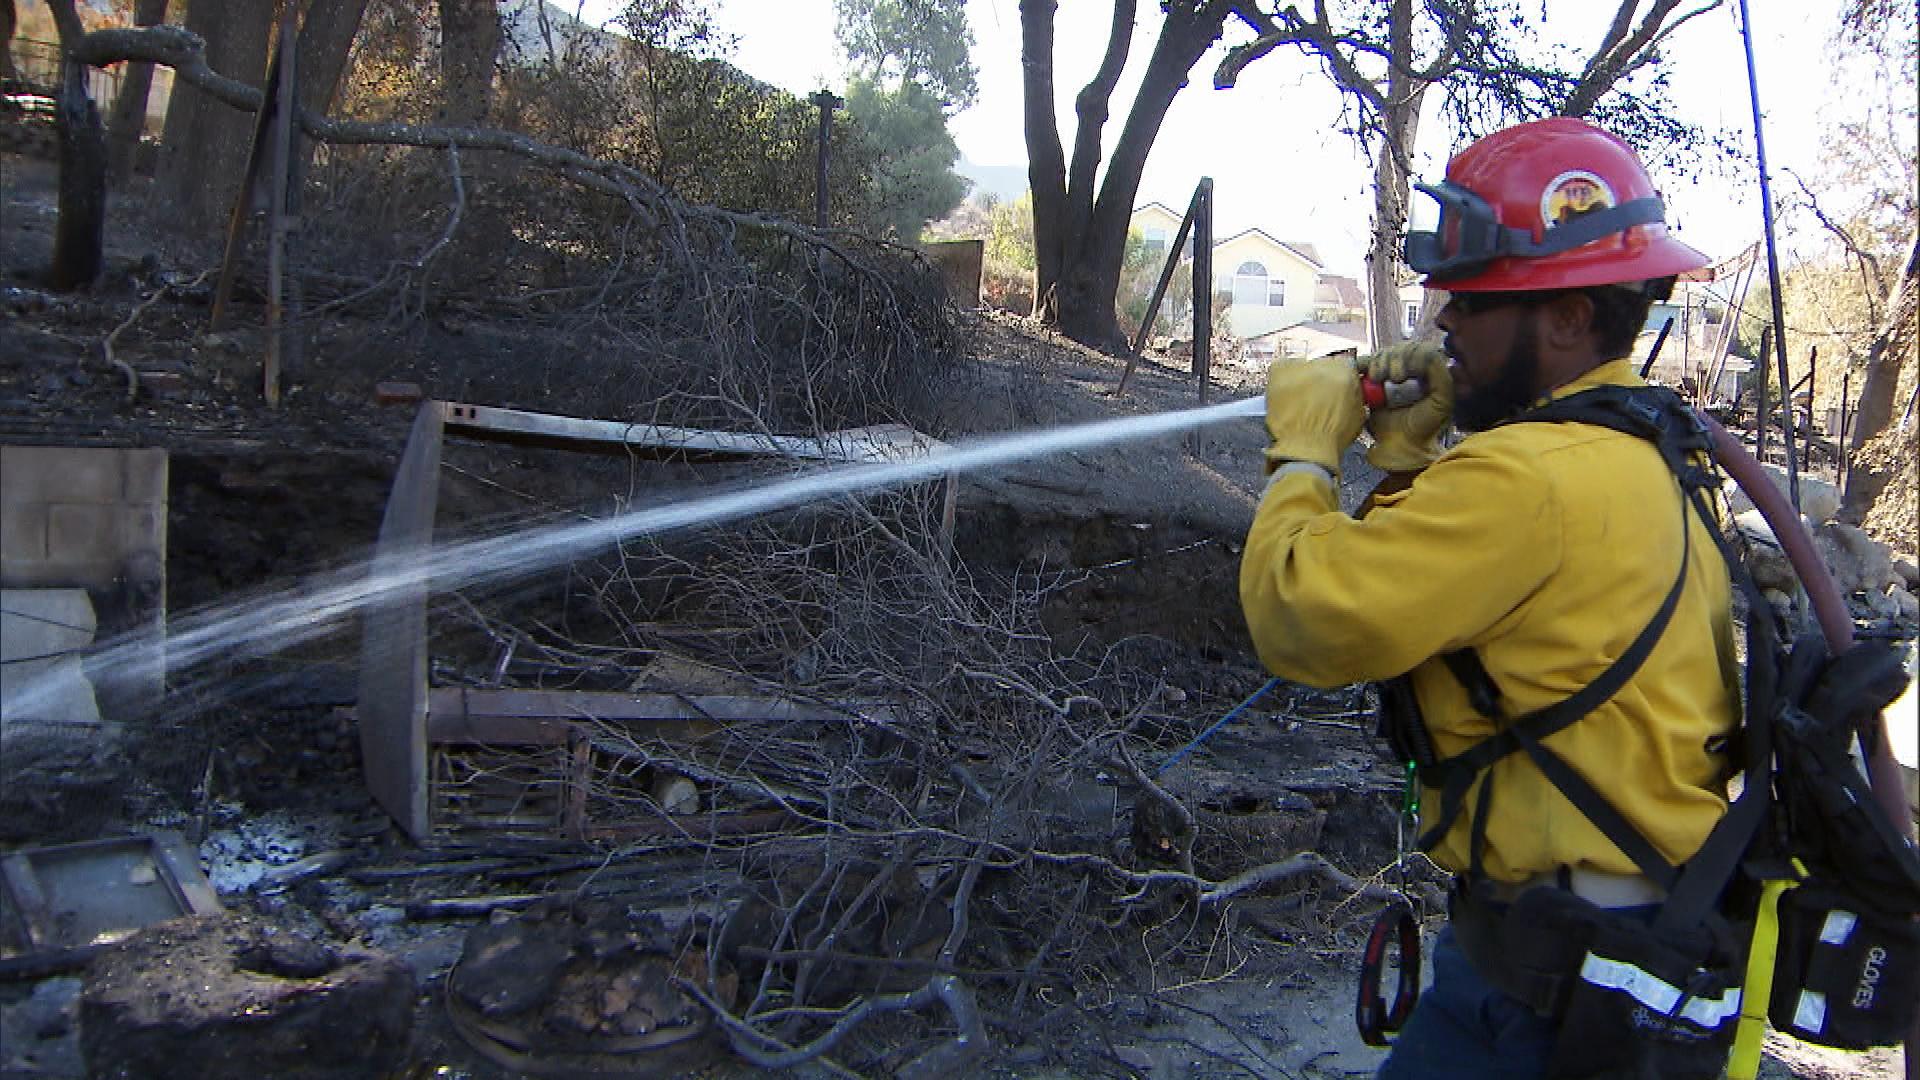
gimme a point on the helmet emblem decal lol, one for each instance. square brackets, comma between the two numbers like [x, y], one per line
[1573, 194]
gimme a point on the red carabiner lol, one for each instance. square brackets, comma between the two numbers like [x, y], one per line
[1377, 1020]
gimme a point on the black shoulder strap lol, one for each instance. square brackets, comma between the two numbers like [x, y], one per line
[1456, 774]
[1659, 417]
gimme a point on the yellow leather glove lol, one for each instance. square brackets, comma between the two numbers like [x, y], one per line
[1407, 439]
[1314, 411]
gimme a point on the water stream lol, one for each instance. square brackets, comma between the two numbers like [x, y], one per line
[276, 621]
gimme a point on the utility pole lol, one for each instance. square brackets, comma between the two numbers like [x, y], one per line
[1773, 266]
[826, 102]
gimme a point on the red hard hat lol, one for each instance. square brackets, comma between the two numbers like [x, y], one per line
[1548, 204]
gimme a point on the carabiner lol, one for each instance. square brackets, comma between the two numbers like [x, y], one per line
[1378, 1021]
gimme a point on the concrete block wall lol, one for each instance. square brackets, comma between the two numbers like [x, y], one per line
[92, 518]
[81, 516]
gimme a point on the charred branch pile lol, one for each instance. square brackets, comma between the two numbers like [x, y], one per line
[938, 868]
[619, 292]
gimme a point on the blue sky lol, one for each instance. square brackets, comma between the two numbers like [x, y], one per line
[1269, 143]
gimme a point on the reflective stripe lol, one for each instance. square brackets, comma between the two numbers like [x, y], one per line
[1657, 993]
[1313, 468]
[1838, 927]
[1810, 1014]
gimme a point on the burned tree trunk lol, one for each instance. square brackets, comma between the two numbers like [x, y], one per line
[203, 147]
[79, 236]
[9, 19]
[326, 42]
[130, 107]
[1892, 348]
[469, 44]
[1400, 123]
[1080, 236]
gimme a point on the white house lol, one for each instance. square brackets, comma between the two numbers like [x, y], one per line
[1158, 224]
[1338, 298]
[1272, 283]
[1305, 341]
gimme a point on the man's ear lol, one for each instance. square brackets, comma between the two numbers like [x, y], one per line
[1566, 322]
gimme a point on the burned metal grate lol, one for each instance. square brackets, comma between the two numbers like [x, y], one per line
[502, 789]
[588, 766]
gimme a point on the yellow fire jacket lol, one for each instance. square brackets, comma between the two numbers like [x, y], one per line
[1545, 547]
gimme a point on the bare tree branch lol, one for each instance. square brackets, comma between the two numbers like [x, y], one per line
[1873, 284]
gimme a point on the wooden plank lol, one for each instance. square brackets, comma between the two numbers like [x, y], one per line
[393, 652]
[29, 901]
[579, 778]
[455, 726]
[885, 442]
[180, 868]
[587, 705]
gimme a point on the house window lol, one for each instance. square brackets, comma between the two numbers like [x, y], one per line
[1250, 284]
[1413, 317]
[1155, 239]
[1276, 292]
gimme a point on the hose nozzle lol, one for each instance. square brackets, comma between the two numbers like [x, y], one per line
[1391, 395]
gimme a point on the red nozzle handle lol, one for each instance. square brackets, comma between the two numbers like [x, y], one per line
[1394, 395]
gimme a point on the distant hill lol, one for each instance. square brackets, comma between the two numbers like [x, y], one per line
[1006, 181]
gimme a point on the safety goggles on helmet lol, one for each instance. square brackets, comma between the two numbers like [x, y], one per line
[1469, 234]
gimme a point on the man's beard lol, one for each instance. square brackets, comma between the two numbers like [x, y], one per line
[1509, 394]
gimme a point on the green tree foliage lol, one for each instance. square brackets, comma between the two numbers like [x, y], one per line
[1011, 241]
[924, 42]
[1007, 273]
[911, 70]
[913, 181]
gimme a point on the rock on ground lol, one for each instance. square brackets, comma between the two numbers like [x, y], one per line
[234, 998]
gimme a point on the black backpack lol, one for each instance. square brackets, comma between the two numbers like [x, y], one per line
[1801, 904]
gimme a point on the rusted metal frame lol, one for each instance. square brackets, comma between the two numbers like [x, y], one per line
[175, 869]
[1723, 339]
[559, 719]
[1786, 418]
[1845, 457]
[536, 802]
[1760, 396]
[573, 823]
[1160, 289]
[402, 721]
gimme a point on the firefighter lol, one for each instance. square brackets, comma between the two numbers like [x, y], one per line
[1508, 574]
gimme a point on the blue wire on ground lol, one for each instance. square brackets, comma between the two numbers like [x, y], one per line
[1217, 725]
